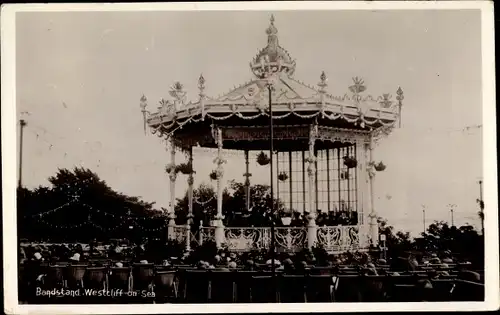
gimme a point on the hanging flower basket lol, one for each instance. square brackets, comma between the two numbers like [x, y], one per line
[214, 175]
[350, 162]
[170, 167]
[379, 167]
[185, 168]
[263, 159]
[283, 176]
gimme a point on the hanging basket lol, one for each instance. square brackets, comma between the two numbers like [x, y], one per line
[350, 162]
[263, 159]
[169, 168]
[379, 167]
[283, 176]
[214, 175]
[185, 168]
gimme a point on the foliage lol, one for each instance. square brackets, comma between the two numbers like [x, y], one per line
[263, 159]
[185, 168]
[463, 241]
[214, 175]
[205, 252]
[379, 167]
[282, 176]
[350, 162]
[86, 208]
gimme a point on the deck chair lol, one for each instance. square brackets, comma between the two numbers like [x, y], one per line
[165, 286]
[263, 289]
[142, 276]
[55, 277]
[95, 278]
[222, 287]
[320, 288]
[349, 289]
[468, 291]
[75, 274]
[243, 283]
[196, 286]
[292, 289]
[119, 278]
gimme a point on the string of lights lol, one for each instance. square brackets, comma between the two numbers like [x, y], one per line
[114, 216]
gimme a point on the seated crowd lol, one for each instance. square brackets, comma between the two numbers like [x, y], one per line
[34, 259]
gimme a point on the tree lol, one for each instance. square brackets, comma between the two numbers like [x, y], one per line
[233, 206]
[79, 206]
[397, 242]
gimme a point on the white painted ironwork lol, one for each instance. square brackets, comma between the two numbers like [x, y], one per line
[207, 234]
[342, 238]
[242, 239]
[179, 233]
[291, 238]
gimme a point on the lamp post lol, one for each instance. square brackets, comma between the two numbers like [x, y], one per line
[271, 150]
[23, 124]
[452, 209]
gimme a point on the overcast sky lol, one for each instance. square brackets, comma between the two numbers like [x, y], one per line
[80, 77]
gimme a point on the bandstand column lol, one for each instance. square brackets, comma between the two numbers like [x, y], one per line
[361, 184]
[173, 176]
[311, 170]
[219, 225]
[247, 181]
[372, 216]
[190, 216]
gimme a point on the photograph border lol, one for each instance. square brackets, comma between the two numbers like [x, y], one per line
[9, 143]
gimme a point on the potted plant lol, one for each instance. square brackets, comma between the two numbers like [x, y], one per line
[170, 167]
[282, 176]
[185, 168]
[379, 167]
[263, 159]
[350, 162]
[214, 175]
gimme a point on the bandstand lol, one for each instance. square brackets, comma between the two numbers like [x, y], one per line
[322, 143]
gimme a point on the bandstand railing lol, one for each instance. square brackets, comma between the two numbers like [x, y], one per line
[334, 239]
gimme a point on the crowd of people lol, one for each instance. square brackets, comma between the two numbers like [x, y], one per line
[34, 258]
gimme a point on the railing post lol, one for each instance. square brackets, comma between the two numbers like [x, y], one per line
[200, 233]
[188, 237]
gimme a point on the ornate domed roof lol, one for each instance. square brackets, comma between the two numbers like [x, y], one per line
[272, 58]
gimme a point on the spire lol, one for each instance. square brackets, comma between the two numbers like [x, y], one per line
[272, 31]
[273, 58]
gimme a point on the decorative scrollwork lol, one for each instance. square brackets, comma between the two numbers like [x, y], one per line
[339, 238]
[180, 233]
[241, 238]
[291, 239]
[208, 233]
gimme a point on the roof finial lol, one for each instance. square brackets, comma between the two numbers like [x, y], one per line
[271, 30]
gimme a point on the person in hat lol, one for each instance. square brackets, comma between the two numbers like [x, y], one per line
[232, 265]
[75, 258]
[249, 265]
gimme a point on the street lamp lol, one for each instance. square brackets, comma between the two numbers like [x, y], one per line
[452, 208]
[271, 150]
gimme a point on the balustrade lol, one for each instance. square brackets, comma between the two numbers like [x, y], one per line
[334, 239]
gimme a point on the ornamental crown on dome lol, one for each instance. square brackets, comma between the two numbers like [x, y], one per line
[273, 58]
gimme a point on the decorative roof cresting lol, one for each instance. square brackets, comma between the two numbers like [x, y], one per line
[273, 58]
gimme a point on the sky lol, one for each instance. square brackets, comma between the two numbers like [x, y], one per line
[80, 76]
